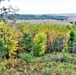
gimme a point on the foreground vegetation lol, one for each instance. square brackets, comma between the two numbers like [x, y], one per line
[49, 64]
[41, 49]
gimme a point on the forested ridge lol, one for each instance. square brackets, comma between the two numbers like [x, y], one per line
[42, 17]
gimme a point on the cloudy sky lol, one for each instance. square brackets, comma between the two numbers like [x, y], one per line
[42, 6]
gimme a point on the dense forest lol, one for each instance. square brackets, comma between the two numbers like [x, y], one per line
[37, 49]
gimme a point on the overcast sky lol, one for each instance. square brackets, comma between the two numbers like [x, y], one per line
[43, 6]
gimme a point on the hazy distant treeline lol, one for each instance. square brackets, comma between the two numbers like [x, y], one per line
[36, 17]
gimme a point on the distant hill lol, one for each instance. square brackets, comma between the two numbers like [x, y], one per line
[45, 16]
[42, 17]
[54, 18]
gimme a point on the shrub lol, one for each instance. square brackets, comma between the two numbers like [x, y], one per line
[12, 67]
[40, 44]
[47, 73]
[26, 56]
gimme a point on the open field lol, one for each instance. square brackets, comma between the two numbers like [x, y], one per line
[47, 21]
[43, 21]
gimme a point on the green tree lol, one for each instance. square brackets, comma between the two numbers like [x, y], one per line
[3, 50]
[40, 44]
[27, 42]
[71, 41]
[9, 36]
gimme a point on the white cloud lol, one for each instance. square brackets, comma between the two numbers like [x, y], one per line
[43, 6]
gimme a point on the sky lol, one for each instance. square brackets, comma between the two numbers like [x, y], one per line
[42, 6]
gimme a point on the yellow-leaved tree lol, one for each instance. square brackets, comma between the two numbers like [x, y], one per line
[10, 37]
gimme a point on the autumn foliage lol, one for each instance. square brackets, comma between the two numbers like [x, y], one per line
[39, 49]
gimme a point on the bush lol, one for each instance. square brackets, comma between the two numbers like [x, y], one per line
[47, 73]
[40, 44]
[13, 67]
[26, 56]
